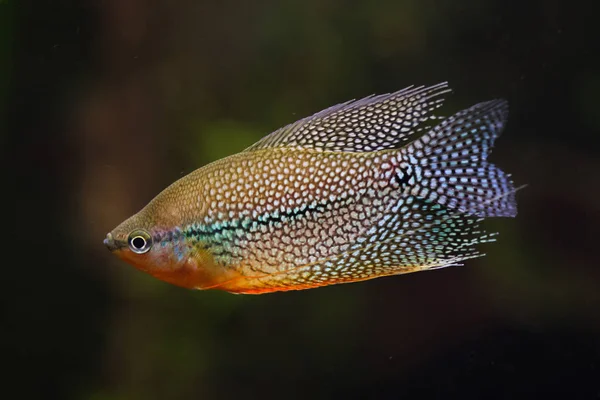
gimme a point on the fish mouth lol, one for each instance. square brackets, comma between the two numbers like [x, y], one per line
[111, 243]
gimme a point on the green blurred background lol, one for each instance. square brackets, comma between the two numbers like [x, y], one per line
[104, 103]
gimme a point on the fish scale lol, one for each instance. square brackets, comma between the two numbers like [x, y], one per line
[357, 191]
[330, 200]
[413, 247]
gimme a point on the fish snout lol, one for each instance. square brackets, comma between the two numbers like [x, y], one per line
[110, 243]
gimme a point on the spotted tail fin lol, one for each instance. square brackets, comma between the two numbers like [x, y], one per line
[451, 165]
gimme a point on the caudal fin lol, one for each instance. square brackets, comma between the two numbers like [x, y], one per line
[451, 163]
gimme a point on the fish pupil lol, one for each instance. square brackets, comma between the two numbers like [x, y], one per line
[138, 242]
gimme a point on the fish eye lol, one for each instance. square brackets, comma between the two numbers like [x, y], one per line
[139, 241]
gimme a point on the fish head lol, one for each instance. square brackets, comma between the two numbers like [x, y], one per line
[151, 241]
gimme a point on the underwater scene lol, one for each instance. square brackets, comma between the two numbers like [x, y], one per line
[318, 199]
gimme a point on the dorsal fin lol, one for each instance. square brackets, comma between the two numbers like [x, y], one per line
[369, 124]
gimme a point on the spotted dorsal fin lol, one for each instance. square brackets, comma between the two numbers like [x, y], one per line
[369, 124]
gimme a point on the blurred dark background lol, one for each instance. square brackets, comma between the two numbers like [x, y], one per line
[104, 103]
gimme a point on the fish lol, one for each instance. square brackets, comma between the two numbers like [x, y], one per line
[369, 188]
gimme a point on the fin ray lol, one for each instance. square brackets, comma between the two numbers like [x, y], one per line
[369, 124]
[452, 161]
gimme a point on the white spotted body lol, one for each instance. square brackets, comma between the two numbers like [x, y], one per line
[286, 208]
[345, 195]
